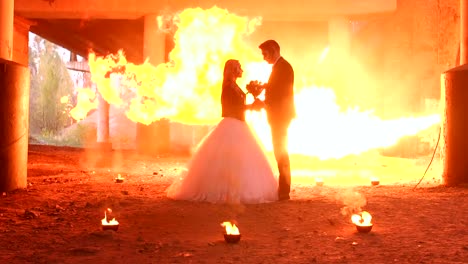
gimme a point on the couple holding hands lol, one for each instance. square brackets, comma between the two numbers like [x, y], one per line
[230, 164]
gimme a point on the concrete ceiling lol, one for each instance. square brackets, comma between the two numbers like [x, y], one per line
[105, 26]
[279, 10]
[102, 36]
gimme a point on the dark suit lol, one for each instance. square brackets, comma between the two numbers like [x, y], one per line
[280, 108]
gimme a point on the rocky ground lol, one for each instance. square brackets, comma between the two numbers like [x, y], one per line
[57, 219]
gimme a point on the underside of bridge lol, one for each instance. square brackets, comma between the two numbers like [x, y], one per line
[102, 36]
[107, 26]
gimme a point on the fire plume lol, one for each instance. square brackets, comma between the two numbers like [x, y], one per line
[323, 130]
[186, 89]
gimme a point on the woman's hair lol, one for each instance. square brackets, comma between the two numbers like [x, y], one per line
[230, 69]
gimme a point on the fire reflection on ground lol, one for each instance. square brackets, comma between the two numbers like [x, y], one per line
[359, 169]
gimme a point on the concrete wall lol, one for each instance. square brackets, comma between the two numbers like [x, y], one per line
[397, 58]
[406, 52]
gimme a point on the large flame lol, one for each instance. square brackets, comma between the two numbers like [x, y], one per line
[187, 89]
[322, 130]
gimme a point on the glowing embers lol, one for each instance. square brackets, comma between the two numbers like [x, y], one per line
[109, 224]
[231, 234]
[362, 221]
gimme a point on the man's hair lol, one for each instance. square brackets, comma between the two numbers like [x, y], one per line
[270, 45]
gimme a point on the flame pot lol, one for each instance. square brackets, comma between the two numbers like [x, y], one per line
[364, 228]
[229, 238]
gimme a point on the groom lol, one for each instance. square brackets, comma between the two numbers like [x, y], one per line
[279, 105]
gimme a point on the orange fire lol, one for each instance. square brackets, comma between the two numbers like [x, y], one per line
[362, 219]
[187, 90]
[86, 101]
[106, 221]
[323, 130]
[231, 229]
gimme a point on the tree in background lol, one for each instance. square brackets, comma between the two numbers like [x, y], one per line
[34, 124]
[50, 80]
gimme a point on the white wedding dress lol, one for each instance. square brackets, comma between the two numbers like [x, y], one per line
[229, 166]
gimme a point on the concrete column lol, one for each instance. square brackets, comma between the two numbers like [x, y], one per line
[14, 122]
[453, 101]
[103, 144]
[103, 121]
[454, 126]
[154, 49]
[103, 127]
[6, 29]
[463, 32]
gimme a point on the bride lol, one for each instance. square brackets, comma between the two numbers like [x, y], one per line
[229, 165]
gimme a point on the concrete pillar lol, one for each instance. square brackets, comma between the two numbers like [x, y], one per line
[14, 121]
[102, 135]
[463, 32]
[154, 49]
[103, 144]
[454, 96]
[6, 29]
[103, 140]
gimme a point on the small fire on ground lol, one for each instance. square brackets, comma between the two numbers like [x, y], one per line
[106, 222]
[231, 229]
[362, 219]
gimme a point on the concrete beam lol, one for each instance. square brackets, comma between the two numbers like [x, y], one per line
[81, 66]
[274, 10]
[21, 40]
[101, 36]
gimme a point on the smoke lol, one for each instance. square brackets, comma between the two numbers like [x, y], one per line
[353, 202]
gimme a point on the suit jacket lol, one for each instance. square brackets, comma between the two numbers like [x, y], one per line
[233, 101]
[279, 93]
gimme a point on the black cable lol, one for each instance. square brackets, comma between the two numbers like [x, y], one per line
[433, 154]
[9, 144]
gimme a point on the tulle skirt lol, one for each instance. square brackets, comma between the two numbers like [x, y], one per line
[228, 166]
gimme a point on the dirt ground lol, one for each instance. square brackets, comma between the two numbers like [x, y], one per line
[57, 219]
